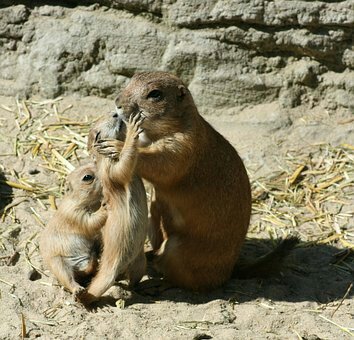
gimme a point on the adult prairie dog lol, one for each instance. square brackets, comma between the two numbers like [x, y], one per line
[124, 233]
[67, 244]
[201, 214]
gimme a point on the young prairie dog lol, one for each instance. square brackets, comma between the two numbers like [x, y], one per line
[124, 233]
[67, 245]
[202, 209]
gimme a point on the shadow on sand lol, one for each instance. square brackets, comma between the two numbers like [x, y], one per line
[318, 273]
[5, 193]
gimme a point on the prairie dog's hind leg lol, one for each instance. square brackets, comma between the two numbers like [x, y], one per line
[179, 265]
[137, 269]
[155, 232]
[65, 274]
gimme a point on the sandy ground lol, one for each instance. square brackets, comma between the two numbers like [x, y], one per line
[304, 302]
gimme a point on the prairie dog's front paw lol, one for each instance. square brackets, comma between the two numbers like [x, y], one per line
[110, 147]
[134, 125]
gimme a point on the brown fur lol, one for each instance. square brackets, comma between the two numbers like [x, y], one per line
[202, 209]
[125, 230]
[67, 244]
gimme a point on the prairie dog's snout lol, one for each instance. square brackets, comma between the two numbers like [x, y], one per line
[119, 123]
[120, 126]
[118, 116]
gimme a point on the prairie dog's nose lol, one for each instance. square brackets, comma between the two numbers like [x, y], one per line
[118, 118]
[118, 112]
[120, 121]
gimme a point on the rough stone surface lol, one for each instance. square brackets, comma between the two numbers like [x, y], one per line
[230, 53]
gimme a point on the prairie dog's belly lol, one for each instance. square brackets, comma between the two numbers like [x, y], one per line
[81, 262]
[138, 203]
[82, 252]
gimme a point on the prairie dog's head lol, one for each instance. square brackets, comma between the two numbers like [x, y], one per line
[164, 101]
[84, 184]
[112, 126]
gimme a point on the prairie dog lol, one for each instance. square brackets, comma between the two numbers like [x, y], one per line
[125, 230]
[202, 209]
[67, 245]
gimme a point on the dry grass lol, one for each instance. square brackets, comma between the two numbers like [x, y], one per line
[312, 194]
[56, 141]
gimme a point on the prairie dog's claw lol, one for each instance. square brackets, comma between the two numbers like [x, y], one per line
[97, 137]
[78, 293]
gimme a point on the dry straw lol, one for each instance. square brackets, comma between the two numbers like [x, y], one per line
[49, 136]
[312, 194]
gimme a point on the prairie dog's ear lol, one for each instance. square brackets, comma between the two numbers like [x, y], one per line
[182, 91]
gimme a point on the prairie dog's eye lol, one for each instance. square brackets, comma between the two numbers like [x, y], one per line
[155, 95]
[88, 178]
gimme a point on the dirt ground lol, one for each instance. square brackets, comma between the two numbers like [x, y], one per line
[311, 299]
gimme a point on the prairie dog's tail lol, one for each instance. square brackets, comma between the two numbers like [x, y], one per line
[268, 264]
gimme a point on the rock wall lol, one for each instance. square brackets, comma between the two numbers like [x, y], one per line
[231, 53]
